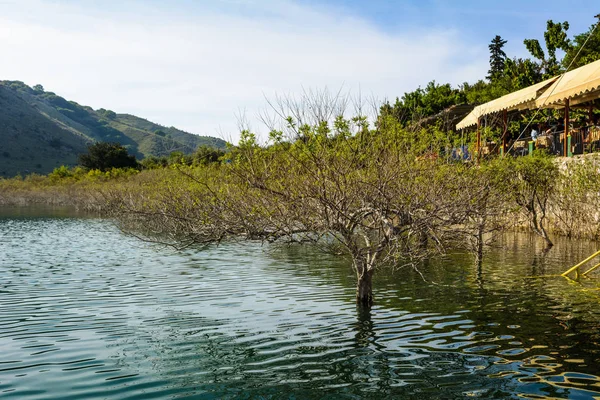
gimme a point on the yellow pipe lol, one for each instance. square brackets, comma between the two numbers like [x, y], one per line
[591, 269]
[576, 267]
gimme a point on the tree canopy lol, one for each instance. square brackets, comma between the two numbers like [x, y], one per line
[424, 102]
[555, 38]
[497, 58]
[105, 156]
[587, 54]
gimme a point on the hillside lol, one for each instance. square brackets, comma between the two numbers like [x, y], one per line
[40, 130]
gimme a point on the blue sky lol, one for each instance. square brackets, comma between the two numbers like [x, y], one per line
[477, 21]
[514, 19]
[199, 65]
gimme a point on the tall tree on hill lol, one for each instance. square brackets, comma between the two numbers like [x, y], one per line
[555, 38]
[497, 58]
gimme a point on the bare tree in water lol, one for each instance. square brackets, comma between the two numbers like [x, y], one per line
[349, 184]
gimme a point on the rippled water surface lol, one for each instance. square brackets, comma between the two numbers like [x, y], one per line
[86, 312]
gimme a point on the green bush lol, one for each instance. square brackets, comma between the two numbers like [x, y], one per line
[106, 156]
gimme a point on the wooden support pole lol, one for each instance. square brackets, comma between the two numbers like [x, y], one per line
[505, 120]
[586, 139]
[478, 145]
[565, 149]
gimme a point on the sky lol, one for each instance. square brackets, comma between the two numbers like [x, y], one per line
[203, 66]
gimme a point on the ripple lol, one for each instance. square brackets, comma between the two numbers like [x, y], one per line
[86, 312]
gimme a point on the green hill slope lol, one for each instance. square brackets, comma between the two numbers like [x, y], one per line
[40, 130]
[32, 142]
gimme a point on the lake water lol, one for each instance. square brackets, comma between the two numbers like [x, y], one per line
[89, 313]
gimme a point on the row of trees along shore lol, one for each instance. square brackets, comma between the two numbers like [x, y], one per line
[369, 189]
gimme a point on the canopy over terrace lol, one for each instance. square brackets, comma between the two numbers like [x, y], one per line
[574, 87]
[582, 85]
[519, 100]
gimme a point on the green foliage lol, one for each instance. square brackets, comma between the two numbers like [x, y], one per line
[497, 58]
[372, 192]
[482, 91]
[178, 157]
[522, 73]
[19, 86]
[205, 155]
[530, 182]
[423, 102]
[105, 156]
[587, 54]
[538, 173]
[59, 173]
[577, 197]
[160, 140]
[154, 162]
[504, 76]
[109, 114]
[535, 48]
[555, 38]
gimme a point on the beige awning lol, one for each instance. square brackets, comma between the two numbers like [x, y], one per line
[581, 85]
[469, 120]
[519, 100]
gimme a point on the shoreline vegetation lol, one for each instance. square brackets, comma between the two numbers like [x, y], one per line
[368, 192]
[572, 203]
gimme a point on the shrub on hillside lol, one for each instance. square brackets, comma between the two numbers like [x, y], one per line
[105, 156]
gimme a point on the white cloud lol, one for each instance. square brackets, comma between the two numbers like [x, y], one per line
[195, 67]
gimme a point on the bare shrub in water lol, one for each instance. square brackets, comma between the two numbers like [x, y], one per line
[335, 182]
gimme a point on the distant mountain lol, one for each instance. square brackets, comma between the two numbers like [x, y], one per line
[40, 131]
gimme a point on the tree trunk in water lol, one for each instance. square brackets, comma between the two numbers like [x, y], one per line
[538, 228]
[364, 288]
[479, 249]
[538, 224]
[549, 243]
